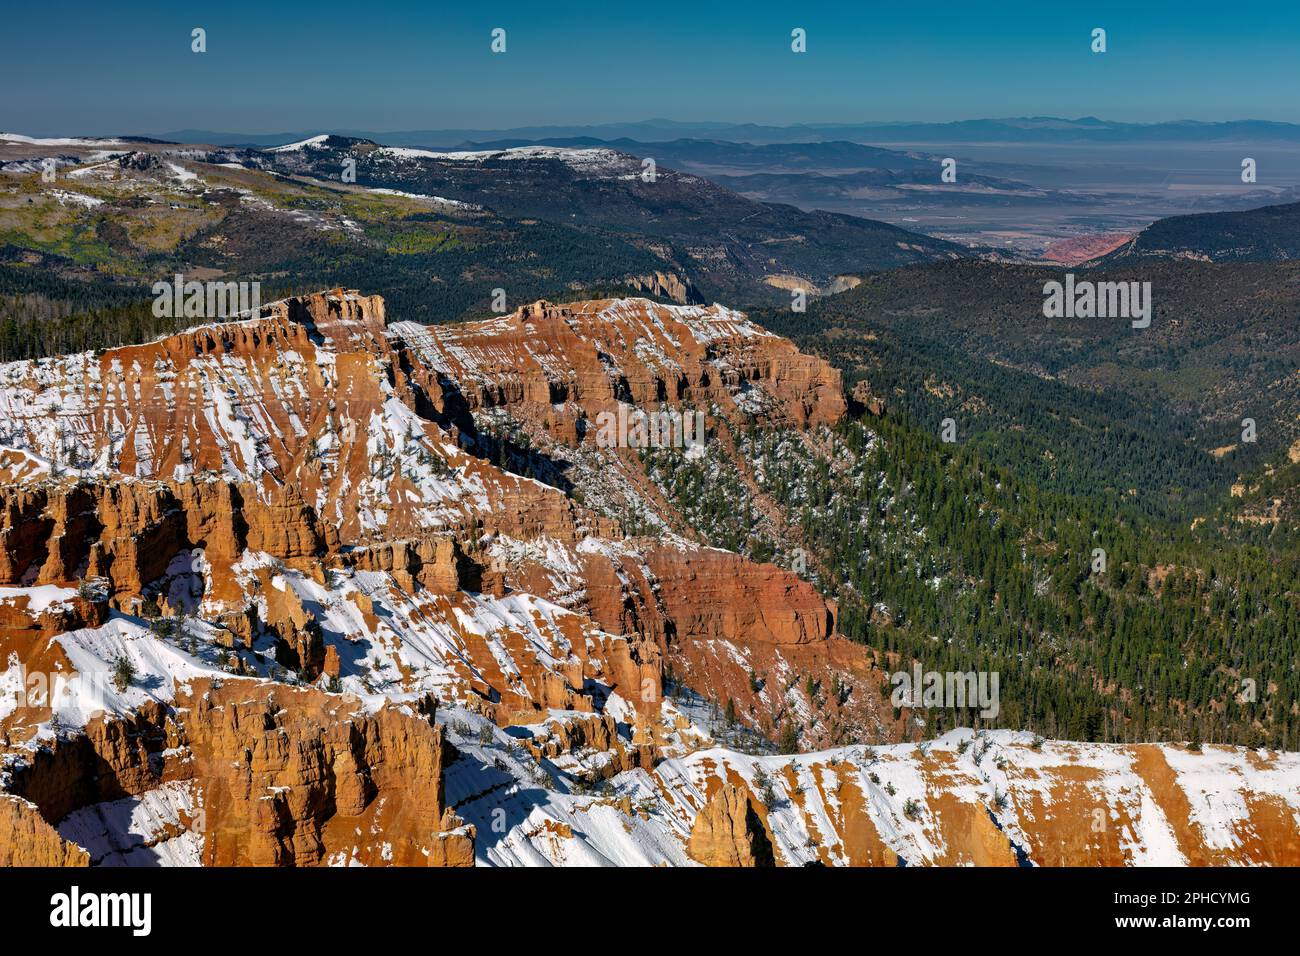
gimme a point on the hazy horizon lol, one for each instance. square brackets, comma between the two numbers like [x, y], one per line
[94, 71]
[654, 123]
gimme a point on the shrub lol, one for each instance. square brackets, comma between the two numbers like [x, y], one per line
[123, 673]
[766, 792]
[789, 742]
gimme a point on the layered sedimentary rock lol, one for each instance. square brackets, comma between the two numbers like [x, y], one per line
[1002, 798]
[316, 438]
[423, 524]
[284, 776]
[298, 478]
[585, 358]
[127, 532]
[667, 285]
[569, 378]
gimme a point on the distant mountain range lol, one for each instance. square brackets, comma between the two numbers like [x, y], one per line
[1035, 129]
[434, 231]
[688, 152]
[729, 245]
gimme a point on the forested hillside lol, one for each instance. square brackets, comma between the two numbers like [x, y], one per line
[1150, 419]
[1267, 234]
[1102, 626]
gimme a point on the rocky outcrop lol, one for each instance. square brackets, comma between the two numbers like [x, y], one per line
[717, 594]
[634, 354]
[314, 437]
[589, 734]
[728, 831]
[287, 776]
[436, 563]
[26, 839]
[301, 642]
[868, 399]
[290, 785]
[453, 844]
[110, 759]
[19, 619]
[667, 286]
[724, 624]
[619, 350]
[1003, 798]
[127, 532]
[286, 406]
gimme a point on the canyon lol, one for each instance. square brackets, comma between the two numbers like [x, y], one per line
[314, 587]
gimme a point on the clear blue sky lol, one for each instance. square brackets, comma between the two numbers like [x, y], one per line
[104, 67]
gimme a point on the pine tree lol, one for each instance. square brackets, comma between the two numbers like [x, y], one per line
[789, 741]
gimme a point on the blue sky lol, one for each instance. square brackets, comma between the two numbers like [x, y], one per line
[93, 68]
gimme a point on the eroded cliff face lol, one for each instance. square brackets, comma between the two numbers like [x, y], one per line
[302, 411]
[195, 475]
[127, 533]
[239, 566]
[667, 285]
[999, 798]
[565, 364]
[293, 494]
[275, 776]
[559, 382]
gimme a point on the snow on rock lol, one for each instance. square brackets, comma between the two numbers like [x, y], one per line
[595, 163]
[311, 141]
[38, 598]
[158, 667]
[67, 198]
[158, 828]
[372, 538]
[57, 140]
[455, 203]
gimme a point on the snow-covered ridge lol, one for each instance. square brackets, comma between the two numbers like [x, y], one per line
[587, 160]
[383, 191]
[58, 140]
[300, 145]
